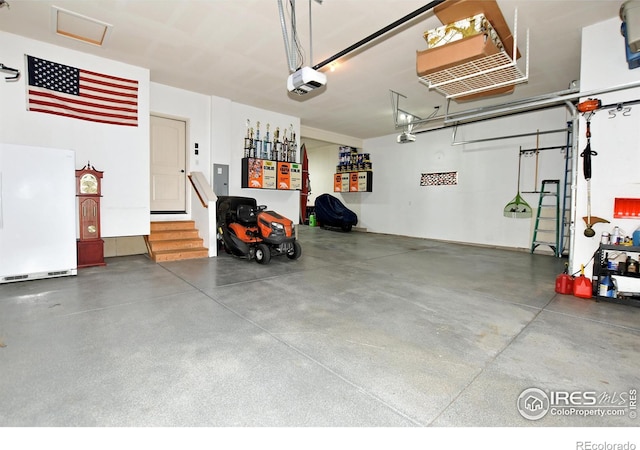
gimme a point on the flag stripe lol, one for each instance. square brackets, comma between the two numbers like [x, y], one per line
[116, 88]
[74, 116]
[57, 106]
[86, 88]
[115, 101]
[44, 105]
[114, 92]
[122, 81]
[66, 91]
[57, 109]
[38, 94]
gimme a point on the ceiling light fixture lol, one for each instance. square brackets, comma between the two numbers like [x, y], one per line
[79, 27]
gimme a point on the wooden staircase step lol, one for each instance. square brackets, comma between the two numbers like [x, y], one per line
[173, 235]
[173, 244]
[180, 254]
[173, 225]
[175, 240]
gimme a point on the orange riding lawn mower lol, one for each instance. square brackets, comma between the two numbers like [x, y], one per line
[250, 231]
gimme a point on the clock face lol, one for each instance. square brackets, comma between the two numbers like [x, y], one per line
[88, 184]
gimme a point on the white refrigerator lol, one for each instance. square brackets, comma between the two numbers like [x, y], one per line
[37, 213]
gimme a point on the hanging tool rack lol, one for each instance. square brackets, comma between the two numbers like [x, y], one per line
[15, 72]
[532, 151]
[622, 107]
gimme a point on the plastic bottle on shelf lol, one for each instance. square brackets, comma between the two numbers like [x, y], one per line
[608, 287]
[627, 264]
[621, 263]
[632, 266]
[615, 236]
[612, 262]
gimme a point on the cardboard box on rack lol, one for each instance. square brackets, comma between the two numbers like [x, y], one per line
[456, 53]
[453, 54]
[454, 10]
[489, 93]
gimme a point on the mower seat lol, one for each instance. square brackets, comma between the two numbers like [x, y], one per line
[246, 215]
[227, 208]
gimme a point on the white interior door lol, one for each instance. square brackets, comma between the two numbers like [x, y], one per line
[168, 165]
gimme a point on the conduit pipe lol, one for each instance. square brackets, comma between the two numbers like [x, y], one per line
[574, 182]
[518, 106]
[555, 101]
[285, 37]
[512, 136]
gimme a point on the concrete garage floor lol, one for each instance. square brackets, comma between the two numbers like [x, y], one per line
[364, 330]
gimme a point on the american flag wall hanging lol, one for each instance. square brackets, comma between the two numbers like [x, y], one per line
[439, 179]
[81, 94]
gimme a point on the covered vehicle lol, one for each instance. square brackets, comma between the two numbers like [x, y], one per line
[331, 212]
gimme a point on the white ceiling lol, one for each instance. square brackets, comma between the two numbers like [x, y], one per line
[234, 49]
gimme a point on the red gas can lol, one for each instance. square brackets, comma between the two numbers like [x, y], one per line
[582, 286]
[564, 284]
[564, 281]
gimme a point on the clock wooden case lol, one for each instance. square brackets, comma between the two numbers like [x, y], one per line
[89, 191]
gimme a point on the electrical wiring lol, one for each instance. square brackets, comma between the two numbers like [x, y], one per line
[293, 48]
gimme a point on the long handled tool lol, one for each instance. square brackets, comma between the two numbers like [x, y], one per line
[518, 208]
[535, 184]
[588, 108]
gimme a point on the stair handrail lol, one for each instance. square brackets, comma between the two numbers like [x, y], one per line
[202, 188]
[204, 217]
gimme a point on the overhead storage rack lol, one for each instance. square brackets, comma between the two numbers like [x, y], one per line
[480, 69]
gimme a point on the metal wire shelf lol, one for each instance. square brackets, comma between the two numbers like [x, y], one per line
[483, 74]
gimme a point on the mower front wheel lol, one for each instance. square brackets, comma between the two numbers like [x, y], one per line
[296, 252]
[263, 254]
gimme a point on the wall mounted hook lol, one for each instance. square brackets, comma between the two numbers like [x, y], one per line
[15, 72]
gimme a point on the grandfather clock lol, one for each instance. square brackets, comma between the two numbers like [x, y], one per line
[89, 191]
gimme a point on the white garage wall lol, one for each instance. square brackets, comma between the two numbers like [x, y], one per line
[286, 203]
[472, 210]
[122, 152]
[196, 110]
[216, 124]
[469, 212]
[322, 164]
[615, 168]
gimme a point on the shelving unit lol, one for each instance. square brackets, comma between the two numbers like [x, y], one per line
[600, 272]
[354, 171]
[268, 174]
[353, 182]
[483, 74]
